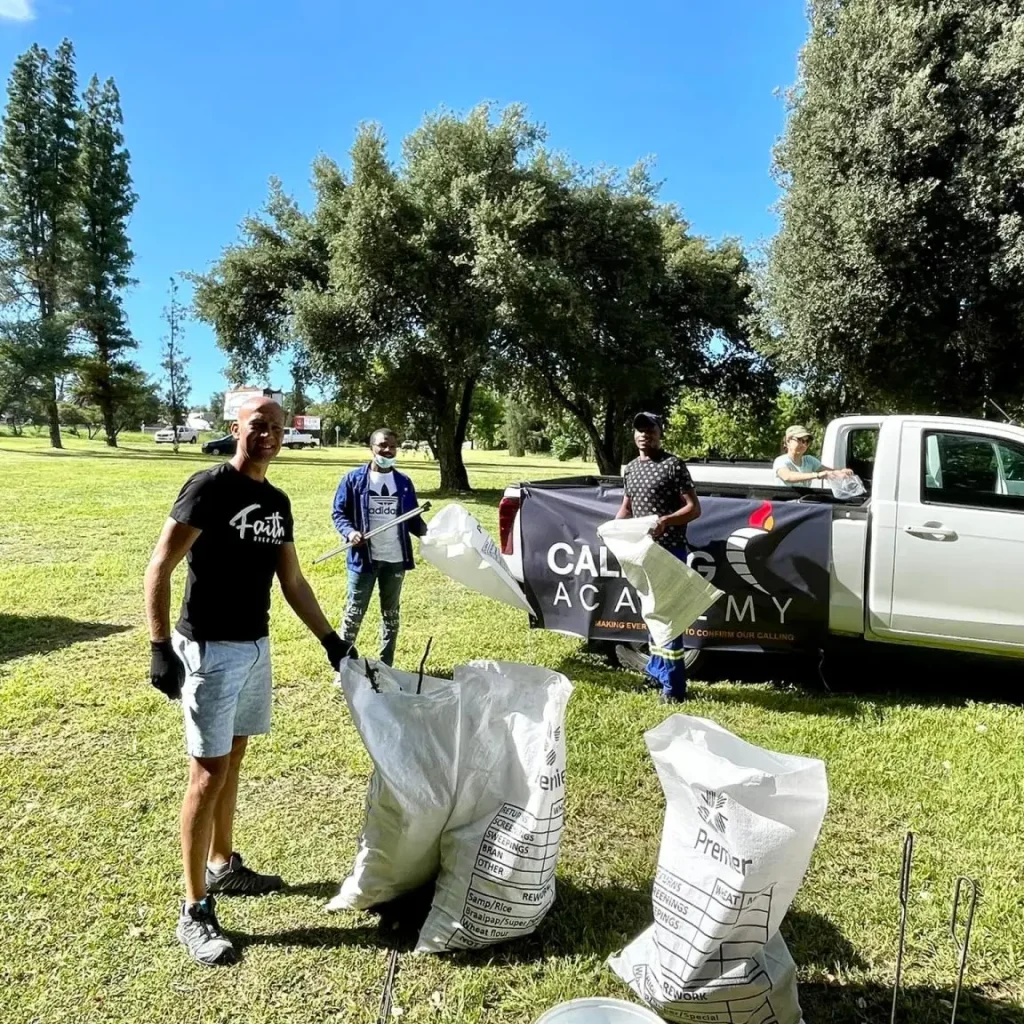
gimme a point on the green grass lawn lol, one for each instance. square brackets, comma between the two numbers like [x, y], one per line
[92, 770]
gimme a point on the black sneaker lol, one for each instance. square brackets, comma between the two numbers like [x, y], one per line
[200, 933]
[238, 880]
[671, 698]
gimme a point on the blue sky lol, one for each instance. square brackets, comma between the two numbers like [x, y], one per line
[219, 95]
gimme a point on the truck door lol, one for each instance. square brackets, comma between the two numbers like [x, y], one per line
[958, 557]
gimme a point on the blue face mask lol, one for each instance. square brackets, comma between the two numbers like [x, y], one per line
[383, 462]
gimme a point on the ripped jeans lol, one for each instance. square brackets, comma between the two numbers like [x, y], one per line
[389, 576]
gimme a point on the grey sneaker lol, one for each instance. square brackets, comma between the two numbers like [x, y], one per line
[200, 933]
[238, 880]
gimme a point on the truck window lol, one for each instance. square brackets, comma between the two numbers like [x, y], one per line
[861, 446]
[972, 470]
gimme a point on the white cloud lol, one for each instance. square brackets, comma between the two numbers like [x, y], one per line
[17, 10]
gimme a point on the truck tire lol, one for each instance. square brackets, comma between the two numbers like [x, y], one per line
[637, 655]
[192, 440]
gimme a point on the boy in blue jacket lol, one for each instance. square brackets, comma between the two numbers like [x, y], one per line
[368, 498]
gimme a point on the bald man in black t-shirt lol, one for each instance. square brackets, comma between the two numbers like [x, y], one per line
[234, 530]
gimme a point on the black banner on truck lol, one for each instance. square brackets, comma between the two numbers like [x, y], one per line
[770, 558]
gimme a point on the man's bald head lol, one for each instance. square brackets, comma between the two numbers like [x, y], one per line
[263, 404]
[258, 430]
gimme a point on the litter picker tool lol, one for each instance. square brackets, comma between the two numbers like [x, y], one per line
[425, 507]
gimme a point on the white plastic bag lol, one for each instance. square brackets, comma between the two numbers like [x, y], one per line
[741, 823]
[500, 848]
[846, 488]
[672, 595]
[458, 545]
[468, 786]
[412, 740]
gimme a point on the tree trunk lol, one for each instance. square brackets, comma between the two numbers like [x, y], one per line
[609, 452]
[108, 422]
[607, 462]
[53, 415]
[451, 432]
[607, 445]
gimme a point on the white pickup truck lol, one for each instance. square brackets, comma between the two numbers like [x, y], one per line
[932, 556]
[298, 439]
[181, 435]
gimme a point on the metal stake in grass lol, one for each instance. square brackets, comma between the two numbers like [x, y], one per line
[908, 859]
[968, 885]
[423, 662]
[384, 1014]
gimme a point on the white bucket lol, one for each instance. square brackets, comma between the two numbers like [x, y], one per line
[599, 1011]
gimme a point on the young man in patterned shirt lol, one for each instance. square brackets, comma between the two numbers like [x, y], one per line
[658, 483]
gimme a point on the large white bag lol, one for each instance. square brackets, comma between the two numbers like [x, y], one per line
[500, 848]
[412, 740]
[741, 823]
[458, 545]
[468, 786]
[672, 595]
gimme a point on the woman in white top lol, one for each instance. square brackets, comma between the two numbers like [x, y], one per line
[797, 467]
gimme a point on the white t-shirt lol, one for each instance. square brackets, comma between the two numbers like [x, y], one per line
[383, 510]
[808, 464]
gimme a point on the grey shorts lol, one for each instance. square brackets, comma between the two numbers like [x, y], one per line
[226, 692]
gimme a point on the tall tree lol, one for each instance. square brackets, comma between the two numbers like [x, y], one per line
[618, 304]
[39, 229]
[175, 362]
[383, 285]
[136, 398]
[105, 259]
[897, 277]
[477, 260]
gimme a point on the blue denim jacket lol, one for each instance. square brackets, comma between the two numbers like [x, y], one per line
[351, 514]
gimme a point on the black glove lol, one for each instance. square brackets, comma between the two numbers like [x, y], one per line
[166, 671]
[337, 649]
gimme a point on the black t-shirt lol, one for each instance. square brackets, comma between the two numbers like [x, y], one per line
[231, 566]
[655, 487]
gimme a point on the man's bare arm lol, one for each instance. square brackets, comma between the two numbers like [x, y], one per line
[299, 594]
[175, 541]
[686, 513]
[625, 509]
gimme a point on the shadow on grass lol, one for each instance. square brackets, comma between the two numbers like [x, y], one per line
[318, 890]
[186, 455]
[815, 941]
[584, 921]
[21, 635]
[870, 1004]
[891, 674]
[851, 676]
[491, 498]
[582, 666]
[596, 921]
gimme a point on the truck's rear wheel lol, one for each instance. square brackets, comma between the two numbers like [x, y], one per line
[634, 657]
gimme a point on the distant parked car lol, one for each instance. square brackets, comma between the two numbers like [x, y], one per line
[185, 435]
[221, 446]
